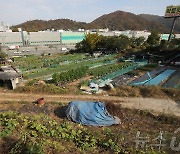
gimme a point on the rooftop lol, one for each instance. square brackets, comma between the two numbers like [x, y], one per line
[8, 75]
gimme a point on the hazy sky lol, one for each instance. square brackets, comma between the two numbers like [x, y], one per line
[18, 11]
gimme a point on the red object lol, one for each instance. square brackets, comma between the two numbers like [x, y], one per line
[40, 101]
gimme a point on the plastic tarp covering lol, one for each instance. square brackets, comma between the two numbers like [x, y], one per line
[90, 113]
[161, 77]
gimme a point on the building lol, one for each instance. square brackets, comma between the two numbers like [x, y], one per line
[71, 38]
[62, 38]
[9, 77]
[43, 38]
[166, 36]
[11, 39]
[4, 27]
[130, 33]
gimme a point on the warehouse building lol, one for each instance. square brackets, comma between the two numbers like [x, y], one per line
[71, 38]
[44, 38]
[11, 38]
[64, 38]
[131, 33]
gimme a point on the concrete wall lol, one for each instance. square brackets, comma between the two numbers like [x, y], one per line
[13, 82]
[177, 35]
[10, 38]
[106, 33]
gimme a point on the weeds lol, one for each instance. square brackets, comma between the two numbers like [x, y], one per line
[47, 88]
[147, 91]
[34, 132]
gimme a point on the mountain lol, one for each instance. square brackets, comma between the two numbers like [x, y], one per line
[118, 20]
[164, 21]
[37, 25]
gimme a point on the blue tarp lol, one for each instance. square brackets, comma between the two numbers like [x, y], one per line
[90, 113]
[161, 77]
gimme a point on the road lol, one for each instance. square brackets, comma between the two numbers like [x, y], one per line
[36, 50]
[165, 106]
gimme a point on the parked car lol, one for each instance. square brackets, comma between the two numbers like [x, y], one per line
[13, 47]
[17, 52]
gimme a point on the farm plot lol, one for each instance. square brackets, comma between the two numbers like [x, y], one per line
[34, 67]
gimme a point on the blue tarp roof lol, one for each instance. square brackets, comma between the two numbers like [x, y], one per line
[90, 113]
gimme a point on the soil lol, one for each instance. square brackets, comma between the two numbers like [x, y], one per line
[165, 106]
[125, 133]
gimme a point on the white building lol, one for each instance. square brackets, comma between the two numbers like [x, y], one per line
[44, 38]
[65, 38]
[130, 33]
[11, 38]
[4, 27]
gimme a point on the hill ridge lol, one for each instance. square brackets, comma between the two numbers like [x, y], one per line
[118, 20]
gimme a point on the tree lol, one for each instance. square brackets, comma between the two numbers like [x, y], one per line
[94, 42]
[176, 42]
[153, 39]
[114, 43]
[164, 45]
[124, 42]
[108, 43]
[89, 43]
[137, 42]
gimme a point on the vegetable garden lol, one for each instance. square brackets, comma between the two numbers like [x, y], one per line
[34, 67]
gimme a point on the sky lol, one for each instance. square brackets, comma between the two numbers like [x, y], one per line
[18, 11]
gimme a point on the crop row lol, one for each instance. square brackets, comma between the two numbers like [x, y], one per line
[61, 68]
[101, 71]
[70, 75]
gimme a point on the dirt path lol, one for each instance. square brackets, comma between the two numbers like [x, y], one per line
[166, 106]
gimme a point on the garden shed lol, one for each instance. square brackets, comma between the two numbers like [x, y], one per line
[9, 77]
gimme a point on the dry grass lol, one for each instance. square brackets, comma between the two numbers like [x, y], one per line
[147, 91]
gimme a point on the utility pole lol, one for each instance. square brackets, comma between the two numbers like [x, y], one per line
[172, 12]
[172, 28]
[61, 41]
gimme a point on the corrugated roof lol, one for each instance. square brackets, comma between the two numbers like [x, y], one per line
[8, 75]
[7, 69]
